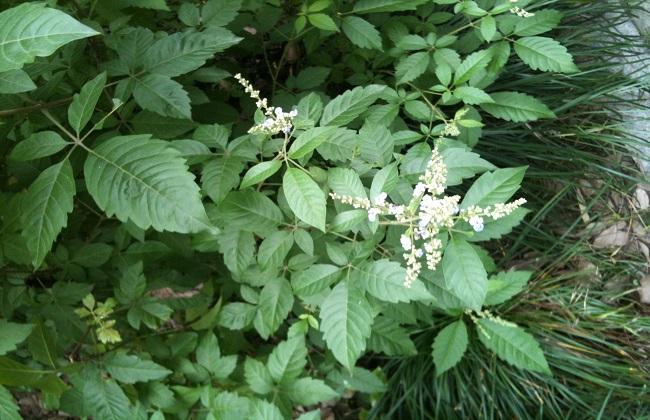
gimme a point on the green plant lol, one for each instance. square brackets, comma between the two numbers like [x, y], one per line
[253, 293]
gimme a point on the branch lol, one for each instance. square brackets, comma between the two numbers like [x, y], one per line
[35, 107]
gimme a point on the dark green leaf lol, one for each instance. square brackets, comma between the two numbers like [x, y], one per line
[275, 303]
[15, 81]
[346, 323]
[12, 334]
[130, 369]
[38, 145]
[145, 181]
[84, 103]
[512, 344]
[32, 30]
[305, 198]
[464, 273]
[449, 346]
[46, 206]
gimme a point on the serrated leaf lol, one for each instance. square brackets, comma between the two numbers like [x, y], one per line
[412, 66]
[391, 339]
[542, 21]
[274, 249]
[312, 77]
[288, 359]
[305, 198]
[544, 54]
[304, 241]
[162, 95]
[505, 285]
[208, 352]
[220, 176]
[464, 273]
[105, 400]
[236, 315]
[345, 181]
[92, 255]
[230, 406]
[449, 346]
[350, 104]
[41, 345]
[346, 323]
[145, 181]
[517, 107]
[322, 21]
[412, 42]
[219, 12]
[513, 345]
[264, 410]
[274, 305]
[46, 206]
[32, 30]
[488, 27]
[13, 373]
[8, 408]
[183, 52]
[360, 379]
[494, 187]
[361, 33]
[385, 180]
[377, 144]
[314, 279]
[15, 81]
[258, 376]
[471, 65]
[378, 6]
[340, 146]
[130, 369]
[309, 391]
[463, 164]
[238, 248]
[83, 103]
[309, 140]
[472, 96]
[249, 210]
[385, 280]
[38, 145]
[12, 334]
[260, 172]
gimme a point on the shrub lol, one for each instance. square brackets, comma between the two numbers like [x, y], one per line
[327, 221]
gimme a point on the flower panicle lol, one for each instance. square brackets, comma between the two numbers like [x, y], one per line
[521, 12]
[428, 214]
[276, 120]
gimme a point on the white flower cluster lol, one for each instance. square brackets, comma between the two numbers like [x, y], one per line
[428, 213]
[276, 120]
[519, 11]
[474, 214]
[375, 208]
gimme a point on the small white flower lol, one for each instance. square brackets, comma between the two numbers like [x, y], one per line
[293, 113]
[380, 200]
[372, 214]
[477, 223]
[406, 242]
[278, 112]
[419, 189]
[395, 210]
